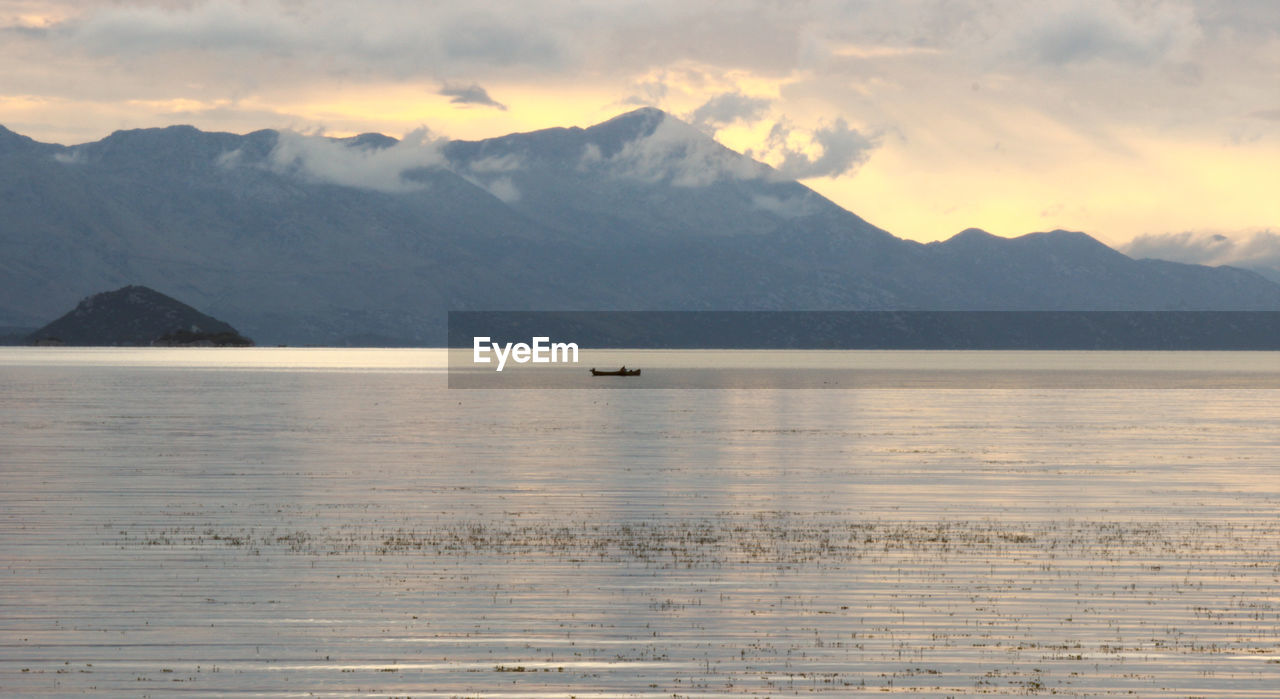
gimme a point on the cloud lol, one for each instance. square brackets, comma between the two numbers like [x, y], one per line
[133, 29]
[493, 173]
[727, 108]
[215, 114]
[791, 207]
[1188, 247]
[839, 149]
[1083, 31]
[504, 189]
[648, 93]
[283, 42]
[470, 94]
[873, 51]
[225, 49]
[678, 153]
[396, 39]
[1259, 249]
[496, 164]
[351, 165]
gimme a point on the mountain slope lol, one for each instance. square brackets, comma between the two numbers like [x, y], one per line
[369, 239]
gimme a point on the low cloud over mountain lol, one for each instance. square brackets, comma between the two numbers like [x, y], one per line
[371, 163]
[1258, 250]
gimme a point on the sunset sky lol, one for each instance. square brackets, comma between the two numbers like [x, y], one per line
[1118, 118]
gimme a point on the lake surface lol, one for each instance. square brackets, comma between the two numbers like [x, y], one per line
[282, 522]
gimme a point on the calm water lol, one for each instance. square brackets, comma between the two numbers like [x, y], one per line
[278, 522]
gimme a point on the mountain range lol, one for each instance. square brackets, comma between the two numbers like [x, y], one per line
[370, 240]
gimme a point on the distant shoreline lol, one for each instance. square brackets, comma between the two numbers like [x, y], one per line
[887, 330]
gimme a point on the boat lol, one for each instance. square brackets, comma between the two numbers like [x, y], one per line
[620, 372]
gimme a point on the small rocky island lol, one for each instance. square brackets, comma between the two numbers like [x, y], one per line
[137, 316]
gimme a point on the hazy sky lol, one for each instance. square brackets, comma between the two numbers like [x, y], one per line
[1119, 118]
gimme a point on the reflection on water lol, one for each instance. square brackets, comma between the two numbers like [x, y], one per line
[285, 522]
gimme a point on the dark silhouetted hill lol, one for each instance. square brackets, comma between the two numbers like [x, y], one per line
[133, 316]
